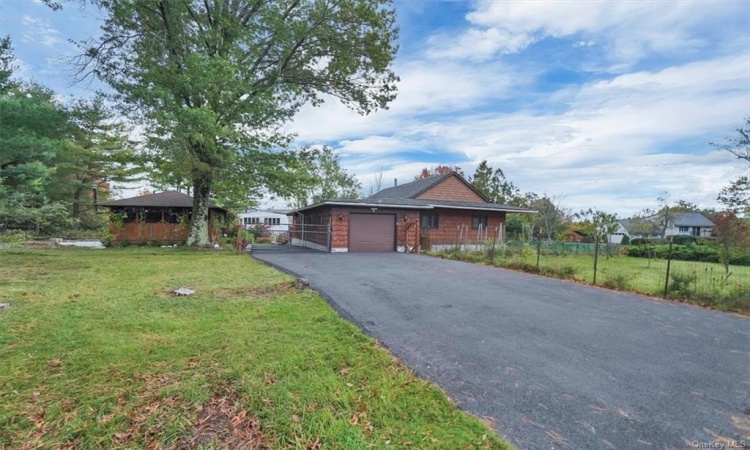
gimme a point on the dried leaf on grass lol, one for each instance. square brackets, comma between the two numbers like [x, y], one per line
[221, 424]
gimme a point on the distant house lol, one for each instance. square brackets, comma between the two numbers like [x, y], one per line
[679, 224]
[277, 221]
[161, 217]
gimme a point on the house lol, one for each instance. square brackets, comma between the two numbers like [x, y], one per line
[162, 217]
[434, 212]
[689, 224]
[678, 224]
[620, 232]
[276, 221]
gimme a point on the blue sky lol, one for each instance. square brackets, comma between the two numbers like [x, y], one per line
[602, 104]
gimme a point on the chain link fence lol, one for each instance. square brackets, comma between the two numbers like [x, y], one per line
[659, 270]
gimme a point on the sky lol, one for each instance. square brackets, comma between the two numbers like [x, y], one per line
[600, 104]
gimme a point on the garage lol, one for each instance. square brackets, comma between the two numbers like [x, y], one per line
[372, 232]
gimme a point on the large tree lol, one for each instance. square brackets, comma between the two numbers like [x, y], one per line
[736, 195]
[440, 169]
[320, 177]
[97, 153]
[214, 80]
[493, 184]
[551, 216]
[732, 237]
[32, 131]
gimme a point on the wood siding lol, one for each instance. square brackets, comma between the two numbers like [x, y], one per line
[161, 232]
[408, 229]
[451, 221]
[452, 188]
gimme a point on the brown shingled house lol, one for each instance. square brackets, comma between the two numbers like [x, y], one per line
[161, 217]
[431, 212]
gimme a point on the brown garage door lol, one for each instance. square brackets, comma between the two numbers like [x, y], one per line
[372, 232]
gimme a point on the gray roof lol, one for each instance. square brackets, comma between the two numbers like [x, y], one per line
[410, 190]
[168, 199]
[417, 203]
[691, 219]
[404, 197]
[416, 187]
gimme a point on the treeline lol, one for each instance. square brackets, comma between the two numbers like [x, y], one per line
[53, 154]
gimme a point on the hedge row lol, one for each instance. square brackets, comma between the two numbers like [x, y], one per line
[703, 253]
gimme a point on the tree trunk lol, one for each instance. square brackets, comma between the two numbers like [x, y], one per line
[199, 233]
[76, 213]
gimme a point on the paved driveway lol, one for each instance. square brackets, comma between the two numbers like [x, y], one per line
[552, 363]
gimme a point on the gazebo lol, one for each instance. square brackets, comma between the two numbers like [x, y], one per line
[162, 217]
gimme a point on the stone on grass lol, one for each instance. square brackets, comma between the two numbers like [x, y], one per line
[183, 291]
[4, 305]
[302, 283]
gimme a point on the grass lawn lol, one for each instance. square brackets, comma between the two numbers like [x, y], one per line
[96, 353]
[702, 282]
[649, 276]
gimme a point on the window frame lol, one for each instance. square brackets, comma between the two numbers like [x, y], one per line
[432, 222]
[483, 219]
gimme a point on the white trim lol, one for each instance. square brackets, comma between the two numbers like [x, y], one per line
[366, 205]
[339, 250]
[391, 206]
[486, 209]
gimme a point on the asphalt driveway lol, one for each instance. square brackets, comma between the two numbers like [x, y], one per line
[553, 364]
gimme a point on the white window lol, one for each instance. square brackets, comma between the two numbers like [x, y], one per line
[684, 229]
[272, 221]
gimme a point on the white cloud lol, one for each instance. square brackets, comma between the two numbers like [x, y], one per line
[38, 30]
[614, 144]
[629, 30]
[426, 87]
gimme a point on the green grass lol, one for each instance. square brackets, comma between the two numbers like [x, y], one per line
[698, 282]
[96, 353]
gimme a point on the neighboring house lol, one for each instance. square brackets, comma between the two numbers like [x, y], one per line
[620, 232]
[277, 221]
[431, 212]
[161, 217]
[679, 224]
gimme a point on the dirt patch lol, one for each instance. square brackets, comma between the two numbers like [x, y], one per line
[255, 292]
[224, 426]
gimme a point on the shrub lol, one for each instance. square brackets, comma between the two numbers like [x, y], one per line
[625, 240]
[520, 265]
[684, 240]
[618, 281]
[125, 243]
[682, 284]
[643, 241]
[15, 236]
[738, 300]
[108, 239]
[260, 231]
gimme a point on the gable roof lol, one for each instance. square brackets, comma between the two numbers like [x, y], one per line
[405, 196]
[691, 219]
[416, 203]
[168, 199]
[417, 187]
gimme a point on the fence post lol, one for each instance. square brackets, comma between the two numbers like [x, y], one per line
[596, 258]
[669, 264]
[329, 235]
[538, 249]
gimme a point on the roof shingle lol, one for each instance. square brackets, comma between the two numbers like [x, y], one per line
[168, 199]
